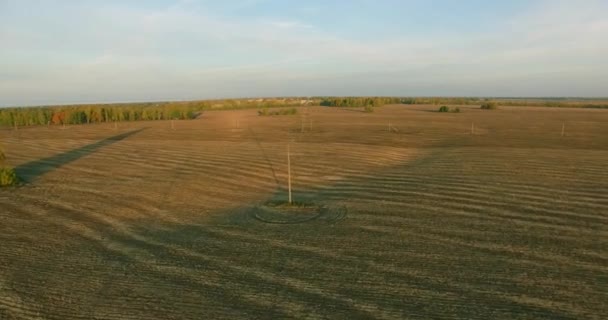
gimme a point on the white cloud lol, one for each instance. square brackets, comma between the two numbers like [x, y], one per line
[179, 52]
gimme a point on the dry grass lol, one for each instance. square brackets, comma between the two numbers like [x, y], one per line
[509, 222]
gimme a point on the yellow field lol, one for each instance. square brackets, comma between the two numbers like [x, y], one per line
[475, 215]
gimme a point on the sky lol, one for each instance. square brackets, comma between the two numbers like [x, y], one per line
[63, 51]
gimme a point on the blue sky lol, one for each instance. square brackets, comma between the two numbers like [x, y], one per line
[60, 51]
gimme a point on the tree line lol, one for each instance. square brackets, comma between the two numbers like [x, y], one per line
[358, 101]
[93, 114]
[380, 101]
[100, 113]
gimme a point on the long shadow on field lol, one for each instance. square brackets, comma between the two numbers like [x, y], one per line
[385, 262]
[327, 192]
[389, 261]
[32, 170]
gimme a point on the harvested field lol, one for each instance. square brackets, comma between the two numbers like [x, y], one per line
[476, 215]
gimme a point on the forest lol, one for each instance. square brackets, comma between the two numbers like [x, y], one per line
[100, 113]
[183, 110]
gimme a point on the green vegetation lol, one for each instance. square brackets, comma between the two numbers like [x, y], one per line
[595, 106]
[440, 101]
[96, 114]
[278, 112]
[103, 113]
[489, 106]
[8, 177]
[358, 102]
[514, 102]
[554, 103]
[448, 109]
[368, 109]
[293, 204]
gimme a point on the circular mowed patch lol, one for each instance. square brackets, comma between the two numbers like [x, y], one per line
[280, 212]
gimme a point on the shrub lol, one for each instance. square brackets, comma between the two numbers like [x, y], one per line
[8, 177]
[489, 106]
[444, 109]
[263, 112]
[368, 109]
[281, 112]
[290, 111]
[456, 110]
[595, 106]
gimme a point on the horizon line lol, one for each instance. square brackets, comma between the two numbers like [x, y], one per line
[67, 104]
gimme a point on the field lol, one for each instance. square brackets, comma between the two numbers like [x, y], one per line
[499, 214]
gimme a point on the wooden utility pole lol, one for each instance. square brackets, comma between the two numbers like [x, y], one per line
[289, 172]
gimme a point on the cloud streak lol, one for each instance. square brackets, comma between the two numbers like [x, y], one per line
[110, 51]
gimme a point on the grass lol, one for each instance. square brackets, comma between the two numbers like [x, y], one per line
[447, 109]
[283, 212]
[489, 106]
[595, 106]
[293, 204]
[8, 176]
[279, 112]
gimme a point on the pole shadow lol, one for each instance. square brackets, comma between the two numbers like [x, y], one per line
[28, 172]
